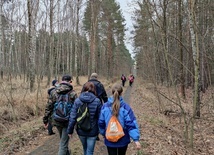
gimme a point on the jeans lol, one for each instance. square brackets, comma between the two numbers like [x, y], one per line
[64, 141]
[50, 128]
[88, 144]
[117, 150]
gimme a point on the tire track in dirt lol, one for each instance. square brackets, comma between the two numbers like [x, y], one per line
[50, 146]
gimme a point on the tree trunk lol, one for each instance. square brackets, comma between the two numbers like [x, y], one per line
[1, 38]
[30, 47]
[195, 50]
[93, 36]
[49, 51]
[182, 79]
[109, 49]
[77, 43]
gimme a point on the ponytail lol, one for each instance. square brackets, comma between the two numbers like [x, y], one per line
[116, 104]
[116, 91]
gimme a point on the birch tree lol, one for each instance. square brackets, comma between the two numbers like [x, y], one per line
[195, 49]
[32, 15]
[1, 38]
[77, 43]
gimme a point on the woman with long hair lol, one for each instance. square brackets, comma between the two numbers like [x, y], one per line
[87, 138]
[117, 107]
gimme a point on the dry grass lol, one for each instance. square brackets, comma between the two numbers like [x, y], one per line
[163, 133]
[17, 103]
[19, 108]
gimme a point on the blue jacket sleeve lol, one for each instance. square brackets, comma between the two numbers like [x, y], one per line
[72, 118]
[101, 122]
[131, 124]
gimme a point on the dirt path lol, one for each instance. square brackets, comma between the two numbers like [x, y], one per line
[51, 143]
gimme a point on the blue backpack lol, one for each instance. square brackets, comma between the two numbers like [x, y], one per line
[62, 108]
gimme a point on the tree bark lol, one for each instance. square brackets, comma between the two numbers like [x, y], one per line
[182, 79]
[195, 50]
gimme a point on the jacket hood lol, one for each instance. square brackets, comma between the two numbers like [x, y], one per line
[87, 97]
[64, 87]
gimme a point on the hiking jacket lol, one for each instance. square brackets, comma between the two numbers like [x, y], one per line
[94, 106]
[63, 88]
[126, 118]
[101, 92]
[123, 78]
[131, 78]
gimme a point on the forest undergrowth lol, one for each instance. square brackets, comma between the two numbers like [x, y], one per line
[161, 123]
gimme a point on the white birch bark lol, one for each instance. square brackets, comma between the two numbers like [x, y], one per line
[1, 37]
[195, 50]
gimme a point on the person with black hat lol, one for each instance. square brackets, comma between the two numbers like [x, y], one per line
[65, 92]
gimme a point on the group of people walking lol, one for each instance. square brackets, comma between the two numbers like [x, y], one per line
[130, 78]
[100, 109]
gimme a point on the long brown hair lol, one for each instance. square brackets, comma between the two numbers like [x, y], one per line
[116, 92]
[89, 86]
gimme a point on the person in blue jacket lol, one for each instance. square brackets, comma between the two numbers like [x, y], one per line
[87, 138]
[117, 106]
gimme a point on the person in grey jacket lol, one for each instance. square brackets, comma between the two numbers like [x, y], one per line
[87, 138]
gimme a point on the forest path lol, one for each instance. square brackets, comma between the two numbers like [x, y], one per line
[50, 145]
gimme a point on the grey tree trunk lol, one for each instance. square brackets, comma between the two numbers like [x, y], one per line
[182, 79]
[1, 38]
[195, 51]
[30, 46]
[77, 43]
[93, 33]
[32, 17]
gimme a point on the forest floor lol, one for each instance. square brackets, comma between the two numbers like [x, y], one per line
[162, 131]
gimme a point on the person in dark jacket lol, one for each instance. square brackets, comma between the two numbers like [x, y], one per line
[50, 127]
[123, 79]
[87, 138]
[64, 87]
[100, 90]
[116, 106]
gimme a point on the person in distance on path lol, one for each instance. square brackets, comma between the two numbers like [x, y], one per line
[123, 79]
[131, 79]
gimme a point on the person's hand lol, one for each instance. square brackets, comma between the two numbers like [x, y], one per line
[46, 126]
[70, 136]
[138, 145]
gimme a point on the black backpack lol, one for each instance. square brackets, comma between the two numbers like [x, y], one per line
[83, 117]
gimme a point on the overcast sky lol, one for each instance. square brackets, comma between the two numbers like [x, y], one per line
[127, 9]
